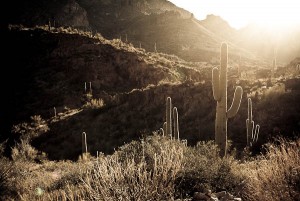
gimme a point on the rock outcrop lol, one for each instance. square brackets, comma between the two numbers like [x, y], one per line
[209, 196]
[71, 14]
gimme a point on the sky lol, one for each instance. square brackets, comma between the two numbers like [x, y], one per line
[239, 13]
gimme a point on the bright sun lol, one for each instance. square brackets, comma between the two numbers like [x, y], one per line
[274, 14]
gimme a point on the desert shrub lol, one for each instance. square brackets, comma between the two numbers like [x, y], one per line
[69, 193]
[34, 128]
[95, 103]
[133, 175]
[60, 180]
[204, 169]
[24, 151]
[275, 176]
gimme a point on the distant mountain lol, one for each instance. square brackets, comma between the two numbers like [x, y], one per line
[145, 23]
[157, 25]
[219, 26]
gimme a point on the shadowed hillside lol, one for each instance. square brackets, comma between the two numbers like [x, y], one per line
[128, 90]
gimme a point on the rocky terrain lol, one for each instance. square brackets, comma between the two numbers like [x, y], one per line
[129, 87]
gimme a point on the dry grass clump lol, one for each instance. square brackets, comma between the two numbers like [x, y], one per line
[48, 181]
[275, 176]
[139, 171]
[5, 174]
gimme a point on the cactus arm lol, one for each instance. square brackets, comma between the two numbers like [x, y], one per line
[252, 131]
[216, 84]
[257, 127]
[161, 130]
[234, 108]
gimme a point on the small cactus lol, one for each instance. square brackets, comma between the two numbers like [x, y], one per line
[84, 144]
[54, 108]
[162, 132]
[219, 82]
[184, 142]
[164, 128]
[252, 132]
[90, 86]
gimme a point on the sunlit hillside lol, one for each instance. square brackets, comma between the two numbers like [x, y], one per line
[140, 100]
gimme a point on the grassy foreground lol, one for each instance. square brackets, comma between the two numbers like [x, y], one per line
[154, 168]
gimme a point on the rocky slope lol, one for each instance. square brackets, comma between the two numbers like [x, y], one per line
[49, 70]
[129, 88]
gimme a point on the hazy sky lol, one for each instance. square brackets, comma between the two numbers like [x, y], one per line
[239, 13]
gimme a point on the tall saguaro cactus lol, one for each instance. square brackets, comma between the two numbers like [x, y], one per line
[252, 133]
[219, 81]
[169, 117]
[176, 124]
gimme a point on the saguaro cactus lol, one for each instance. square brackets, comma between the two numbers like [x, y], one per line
[219, 81]
[161, 130]
[54, 109]
[252, 133]
[84, 144]
[176, 125]
[165, 128]
[91, 87]
[169, 117]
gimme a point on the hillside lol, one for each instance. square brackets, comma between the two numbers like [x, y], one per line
[49, 70]
[129, 89]
[126, 100]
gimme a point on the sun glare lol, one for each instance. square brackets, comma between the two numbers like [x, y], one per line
[274, 14]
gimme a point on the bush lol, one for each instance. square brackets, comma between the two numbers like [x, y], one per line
[148, 171]
[204, 170]
[275, 176]
[25, 152]
[27, 131]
